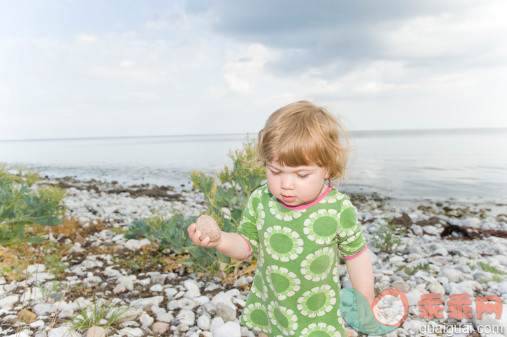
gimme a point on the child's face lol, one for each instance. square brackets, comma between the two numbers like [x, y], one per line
[296, 185]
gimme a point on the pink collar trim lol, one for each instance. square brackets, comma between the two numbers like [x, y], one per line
[305, 206]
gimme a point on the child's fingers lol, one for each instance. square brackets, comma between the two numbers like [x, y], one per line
[194, 234]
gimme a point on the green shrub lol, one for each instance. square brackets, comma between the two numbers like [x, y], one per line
[168, 233]
[226, 196]
[21, 204]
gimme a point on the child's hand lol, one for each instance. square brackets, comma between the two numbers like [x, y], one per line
[195, 235]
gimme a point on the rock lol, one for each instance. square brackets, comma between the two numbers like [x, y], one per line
[36, 268]
[44, 309]
[402, 286]
[120, 288]
[133, 244]
[127, 281]
[203, 322]
[170, 292]
[436, 288]
[156, 288]
[164, 317]
[229, 329]
[216, 323]
[414, 297]
[23, 333]
[417, 230]
[227, 312]
[184, 303]
[37, 324]
[130, 332]
[143, 303]
[9, 301]
[146, 320]
[26, 316]
[130, 314]
[431, 230]
[489, 325]
[63, 331]
[160, 328]
[157, 278]
[186, 317]
[192, 289]
[414, 325]
[96, 331]
[452, 274]
[208, 228]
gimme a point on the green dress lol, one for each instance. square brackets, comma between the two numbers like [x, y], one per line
[296, 290]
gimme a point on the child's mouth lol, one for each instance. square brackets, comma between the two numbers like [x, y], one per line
[287, 198]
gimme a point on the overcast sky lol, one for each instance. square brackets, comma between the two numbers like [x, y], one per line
[127, 68]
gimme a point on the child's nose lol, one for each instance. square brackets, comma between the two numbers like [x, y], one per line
[287, 182]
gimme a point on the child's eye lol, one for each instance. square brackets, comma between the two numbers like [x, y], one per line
[275, 173]
[302, 176]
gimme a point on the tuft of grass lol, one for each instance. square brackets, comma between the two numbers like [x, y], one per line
[490, 269]
[55, 265]
[388, 238]
[413, 270]
[100, 310]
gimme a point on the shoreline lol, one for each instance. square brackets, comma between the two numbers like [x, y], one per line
[441, 206]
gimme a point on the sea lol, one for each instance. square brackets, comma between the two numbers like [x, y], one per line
[462, 165]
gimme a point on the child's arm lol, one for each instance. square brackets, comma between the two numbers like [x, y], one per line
[360, 272]
[231, 244]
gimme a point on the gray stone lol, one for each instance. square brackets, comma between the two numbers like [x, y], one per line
[192, 289]
[156, 288]
[186, 317]
[44, 309]
[9, 301]
[130, 314]
[203, 322]
[160, 328]
[436, 288]
[216, 323]
[36, 268]
[63, 331]
[158, 278]
[184, 303]
[226, 311]
[127, 281]
[130, 332]
[143, 303]
[229, 329]
[133, 244]
[452, 274]
[146, 320]
[414, 296]
[120, 288]
[96, 331]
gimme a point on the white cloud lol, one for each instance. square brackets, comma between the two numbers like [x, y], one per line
[84, 39]
[138, 74]
[242, 74]
[127, 63]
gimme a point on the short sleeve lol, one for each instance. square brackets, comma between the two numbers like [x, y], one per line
[247, 226]
[351, 241]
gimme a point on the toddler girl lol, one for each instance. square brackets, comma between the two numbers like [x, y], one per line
[299, 224]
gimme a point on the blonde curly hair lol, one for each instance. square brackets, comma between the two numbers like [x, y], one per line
[303, 134]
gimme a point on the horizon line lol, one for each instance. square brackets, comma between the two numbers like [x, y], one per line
[359, 132]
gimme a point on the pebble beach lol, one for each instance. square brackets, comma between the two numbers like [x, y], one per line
[447, 248]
